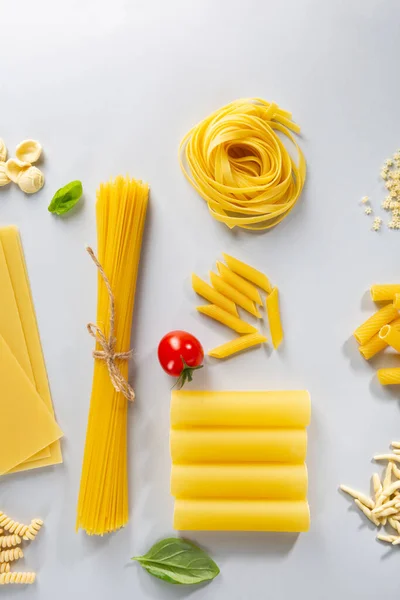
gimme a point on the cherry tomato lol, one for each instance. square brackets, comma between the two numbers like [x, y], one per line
[180, 353]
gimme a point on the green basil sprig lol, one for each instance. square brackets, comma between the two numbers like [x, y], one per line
[65, 198]
[178, 561]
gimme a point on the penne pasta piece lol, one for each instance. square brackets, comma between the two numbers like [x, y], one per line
[376, 344]
[389, 377]
[217, 313]
[250, 273]
[391, 336]
[206, 291]
[232, 293]
[372, 325]
[241, 343]
[380, 293]
[247, 288]
[274, 317]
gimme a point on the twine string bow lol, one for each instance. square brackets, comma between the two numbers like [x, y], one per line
[108, 354]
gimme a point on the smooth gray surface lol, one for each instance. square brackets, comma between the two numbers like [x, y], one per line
[111, 87]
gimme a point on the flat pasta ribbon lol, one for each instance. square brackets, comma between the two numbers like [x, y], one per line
[238, 163]
[108, 354]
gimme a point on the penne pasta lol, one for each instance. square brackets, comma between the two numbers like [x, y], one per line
[218, 314]
[274, 317]
[243, 286]
[372, 325]
[241, 343]
[381, 293]
[250, 273]
[206, 291]
[389, 377]
[391, 336]
[233, 294]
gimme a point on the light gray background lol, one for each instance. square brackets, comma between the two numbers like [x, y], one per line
[111, 87]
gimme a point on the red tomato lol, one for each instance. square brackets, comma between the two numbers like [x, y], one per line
[180, 353]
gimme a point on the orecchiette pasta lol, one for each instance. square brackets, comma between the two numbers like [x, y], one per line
[8, 541]
[23, 578]
[11, 555]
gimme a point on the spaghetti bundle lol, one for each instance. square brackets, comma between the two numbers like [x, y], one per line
[238, 163]
[103, 497]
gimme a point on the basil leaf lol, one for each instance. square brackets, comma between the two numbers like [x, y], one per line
[65, 198]
[178, 561]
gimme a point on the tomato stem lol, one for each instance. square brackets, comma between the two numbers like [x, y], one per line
[186, 374]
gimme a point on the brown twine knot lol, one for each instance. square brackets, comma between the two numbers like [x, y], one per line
[108, 354]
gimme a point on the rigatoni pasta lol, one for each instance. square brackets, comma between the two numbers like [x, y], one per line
[372, 325]
[389, 376]
[376, 344]
[391, 336]
[385, 292]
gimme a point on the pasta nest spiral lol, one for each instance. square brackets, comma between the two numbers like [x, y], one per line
[238, 163]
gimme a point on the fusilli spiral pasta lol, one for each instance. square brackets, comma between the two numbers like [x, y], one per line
[12, 526]
[4, 567]
[22, 578]
[8, 541]
[11, 555]
[33, 529]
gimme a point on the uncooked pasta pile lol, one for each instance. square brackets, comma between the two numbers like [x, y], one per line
[103, 497]
[237, 161]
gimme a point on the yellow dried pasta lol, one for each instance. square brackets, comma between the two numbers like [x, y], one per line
[376, 344]
[238, 163]
[11, 555]
[5, 567]
[372, 325]
[233, 294]
[8, 541]
[206, 291]
[250, 273]
[389, 376]
[237, 345]
[236, 281]
[17, 578]
[381, 293]
[12, 526]
[33, 529]
[216, 313]
[274, 317]
[391, 336]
